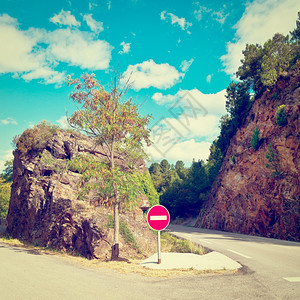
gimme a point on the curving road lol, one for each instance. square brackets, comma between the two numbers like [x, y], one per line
[275, 263]
[25, 274]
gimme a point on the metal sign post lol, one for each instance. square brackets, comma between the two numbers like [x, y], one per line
[158, 248]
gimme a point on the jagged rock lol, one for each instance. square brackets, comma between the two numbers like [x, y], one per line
[45, 210]
[245, 198]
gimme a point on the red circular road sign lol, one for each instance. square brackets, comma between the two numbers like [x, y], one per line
[158, 217]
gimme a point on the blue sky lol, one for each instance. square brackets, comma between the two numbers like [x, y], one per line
[183, 55]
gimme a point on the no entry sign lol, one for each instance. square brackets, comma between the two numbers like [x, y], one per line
[158, 217]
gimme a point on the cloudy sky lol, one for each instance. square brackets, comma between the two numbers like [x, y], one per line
[183, 55]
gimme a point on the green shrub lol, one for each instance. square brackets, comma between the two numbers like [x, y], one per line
[233, 159]
[4, 197]
[274, 96]
[36, 138]
[125, 232]
[273, 161]
[173, 244]
[281, 118]
[149, 189]
[57, 165]
[255, 141]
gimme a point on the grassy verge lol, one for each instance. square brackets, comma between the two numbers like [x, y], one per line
[170, 243]
[124, 267]
[125, 232]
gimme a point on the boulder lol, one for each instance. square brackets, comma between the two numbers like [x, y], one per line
[45, 208]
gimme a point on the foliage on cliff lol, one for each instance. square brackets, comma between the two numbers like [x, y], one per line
[260, 69]
[5, 183]
[257, 188]
[33, 140]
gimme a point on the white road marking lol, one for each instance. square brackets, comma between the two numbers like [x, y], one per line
[292, 279]
[238, 253]
[158, 218]
[206, 242]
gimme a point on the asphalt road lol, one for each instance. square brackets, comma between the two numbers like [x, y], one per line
[25, 274]
[275, 264]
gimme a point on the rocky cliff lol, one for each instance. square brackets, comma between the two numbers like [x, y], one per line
[45, 209]
[249, 197]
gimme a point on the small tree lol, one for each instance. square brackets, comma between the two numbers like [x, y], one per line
[273, 161]
[276, 59]
[255, 141]
[8, 171]
[238, 102]
[118, 127]
[281, 118]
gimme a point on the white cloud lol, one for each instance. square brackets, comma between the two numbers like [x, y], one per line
[149, 74]
[63, 122]
[79, 49]
[185, 151]
[92, 5]
[16, 48]
[213, 103]
[218, 15]
[208, 78]
[190, 127]
[47, 75]
[8, 20]
[109, 5]
[161, 99]
[200, 10]
[35, 53]
[162, 15]
[260, 21]
[125, 48]
[65, 18]
[95, 26]
[186, 64]
[8, 121]
[184, 25]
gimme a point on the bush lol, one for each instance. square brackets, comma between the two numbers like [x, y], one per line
[4, 197]
[281, 118]
[149, 189]
[125, 232]
[35, 139]
[255, 141]
[233, 159]
[171, 243]
[273, 161]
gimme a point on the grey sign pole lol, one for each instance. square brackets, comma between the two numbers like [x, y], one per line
[158, 247]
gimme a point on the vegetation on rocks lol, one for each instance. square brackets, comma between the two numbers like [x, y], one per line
[255, 140]
[5, 183]
[281, 118]
[34, 140]
[273, 163]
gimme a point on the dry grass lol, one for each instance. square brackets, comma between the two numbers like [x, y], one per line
[123, 266]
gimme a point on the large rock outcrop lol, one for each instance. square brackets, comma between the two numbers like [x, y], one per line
[45, 210]
[246, 197]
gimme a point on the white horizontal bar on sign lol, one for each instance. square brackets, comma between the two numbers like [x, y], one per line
[158, 218]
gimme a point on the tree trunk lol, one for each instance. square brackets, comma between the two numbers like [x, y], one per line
[115, 246]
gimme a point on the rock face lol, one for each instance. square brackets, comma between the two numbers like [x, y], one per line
[45, 210]
[246, 197]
